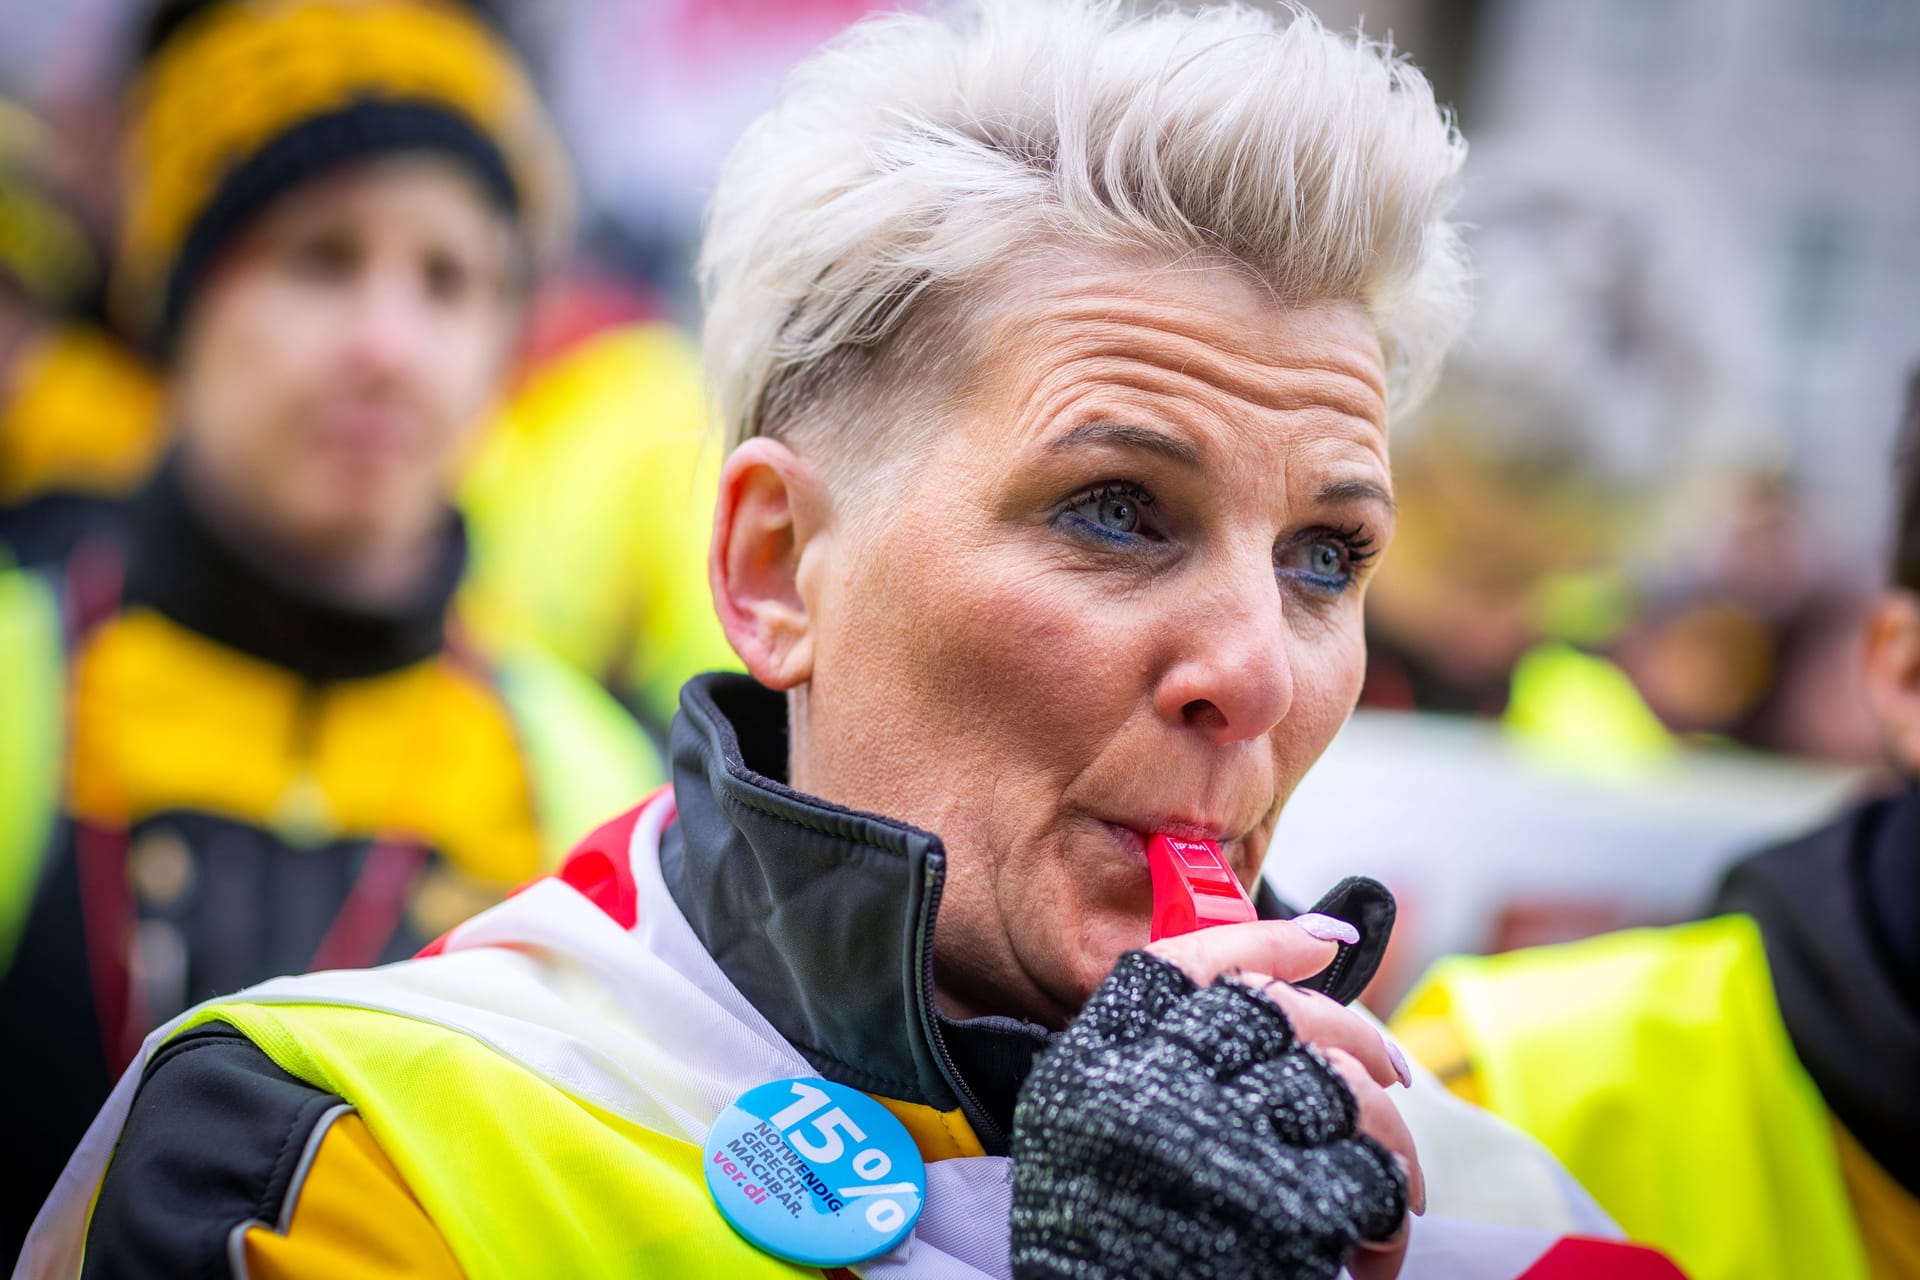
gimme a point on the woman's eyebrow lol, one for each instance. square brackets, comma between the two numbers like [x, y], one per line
[1119, 433]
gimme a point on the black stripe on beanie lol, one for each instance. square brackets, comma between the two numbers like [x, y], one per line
[362, 130]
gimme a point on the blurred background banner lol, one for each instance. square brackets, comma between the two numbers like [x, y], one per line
[1641, 518]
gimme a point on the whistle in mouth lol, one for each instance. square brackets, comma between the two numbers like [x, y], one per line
[1193, 887]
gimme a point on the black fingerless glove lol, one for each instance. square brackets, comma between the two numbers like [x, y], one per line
[1171, 1131]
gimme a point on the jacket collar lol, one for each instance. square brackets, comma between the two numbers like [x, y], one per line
[821, 916]
[181, 565]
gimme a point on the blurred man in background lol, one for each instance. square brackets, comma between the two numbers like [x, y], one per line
[1739, 1092]
[277, 751]
[80, 417]
[606, 407]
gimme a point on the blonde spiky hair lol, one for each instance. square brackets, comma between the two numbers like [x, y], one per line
[916, 155]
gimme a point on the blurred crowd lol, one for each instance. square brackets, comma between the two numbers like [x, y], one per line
[1582, 504]
[224, 643]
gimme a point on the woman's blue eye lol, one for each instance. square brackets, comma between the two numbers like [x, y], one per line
[1326, 563]
[1327, 560]
[1113, 511]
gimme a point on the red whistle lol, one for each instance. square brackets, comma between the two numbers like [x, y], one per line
[1193, 887]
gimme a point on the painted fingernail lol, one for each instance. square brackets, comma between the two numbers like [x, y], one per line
[1399, 1061]
[1416, 1187]
[1327, 929]
[1420, 1197]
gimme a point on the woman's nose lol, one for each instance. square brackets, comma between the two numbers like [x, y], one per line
[1233, 677]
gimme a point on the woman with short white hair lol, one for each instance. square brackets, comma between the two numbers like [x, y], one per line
[1056, 351]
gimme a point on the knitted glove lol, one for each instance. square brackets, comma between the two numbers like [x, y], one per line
[1171, 1131]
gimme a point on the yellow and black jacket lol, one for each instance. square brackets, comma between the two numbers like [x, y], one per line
[249, 782]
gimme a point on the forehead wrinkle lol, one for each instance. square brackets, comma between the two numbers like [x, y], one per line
[1328, 375]
[1309, 416]
[1228, 297]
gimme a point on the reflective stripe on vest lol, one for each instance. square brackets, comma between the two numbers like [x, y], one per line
[1655, 1065]
[32, 690]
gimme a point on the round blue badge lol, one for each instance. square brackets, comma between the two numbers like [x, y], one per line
[815, 1173]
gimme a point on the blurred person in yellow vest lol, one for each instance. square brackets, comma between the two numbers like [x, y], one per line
[80, 415]
[1742, 1092]
[246, 732]
[589, 506]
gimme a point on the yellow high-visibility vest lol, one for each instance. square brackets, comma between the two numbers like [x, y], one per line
[32, 733]
[1654, 1064]
[520, 1177]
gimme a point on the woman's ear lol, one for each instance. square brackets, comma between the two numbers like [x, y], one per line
[771, 511]
[1893, 675]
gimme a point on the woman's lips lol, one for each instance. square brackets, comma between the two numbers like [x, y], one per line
[1132, 835]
